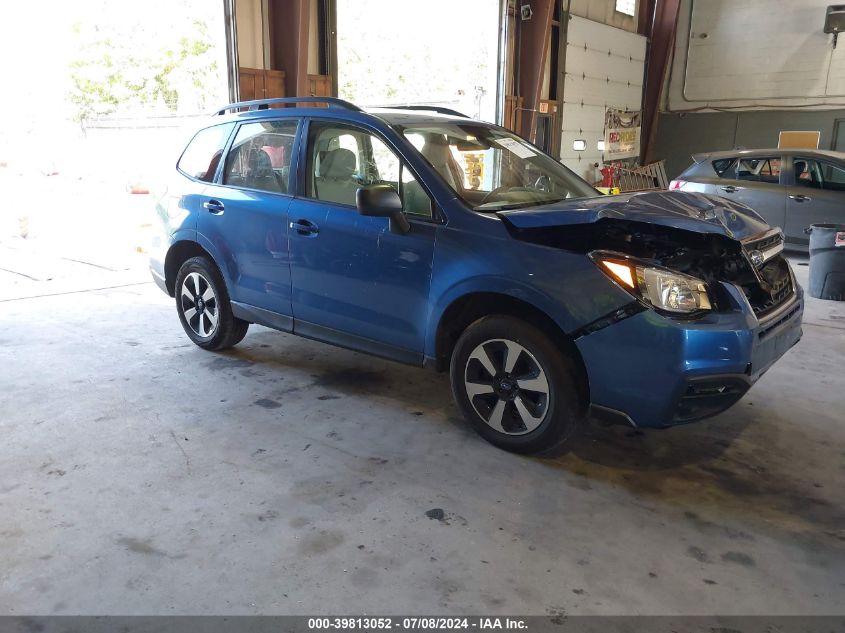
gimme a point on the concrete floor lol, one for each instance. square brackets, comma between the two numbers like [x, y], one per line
[142, 475]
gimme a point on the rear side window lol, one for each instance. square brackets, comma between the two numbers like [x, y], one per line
[759, 170]
[202, 156]
[722, 167]
[261, 155]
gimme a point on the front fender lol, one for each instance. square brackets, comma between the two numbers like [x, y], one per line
[566, 286]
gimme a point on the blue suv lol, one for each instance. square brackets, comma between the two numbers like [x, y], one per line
[422, 236]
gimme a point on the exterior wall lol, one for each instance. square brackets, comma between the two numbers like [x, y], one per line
[742, 72]
[604, 11]
[755, 54]
[681, 135]
[313, 40]
[253, 35]
[252, 41]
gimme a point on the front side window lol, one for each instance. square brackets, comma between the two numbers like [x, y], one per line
[261, 155]
[817, 175]
[202, 156]
[491, 169]
[343, 159]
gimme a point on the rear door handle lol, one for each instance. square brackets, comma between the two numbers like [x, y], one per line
[730, 189]
[304, 227]
[800, 198]
[213, 206]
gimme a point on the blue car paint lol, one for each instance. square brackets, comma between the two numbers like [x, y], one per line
[388, 291]
[642, 364]
[681, 210]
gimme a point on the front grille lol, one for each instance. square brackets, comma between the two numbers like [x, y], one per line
[774, 288]
[774, 285]
[764, 243]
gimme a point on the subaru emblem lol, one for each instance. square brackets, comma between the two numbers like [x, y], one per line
[756, 258]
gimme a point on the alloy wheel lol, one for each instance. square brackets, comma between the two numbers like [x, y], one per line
[507, 386]
[199, 305]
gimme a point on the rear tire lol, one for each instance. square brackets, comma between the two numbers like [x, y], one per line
[202, 303]
[516, 386]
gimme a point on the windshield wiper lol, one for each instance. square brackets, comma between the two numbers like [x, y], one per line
[519, 205]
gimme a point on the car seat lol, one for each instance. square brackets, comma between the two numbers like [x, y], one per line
[260, 174]
[335, 181]
[436, 151]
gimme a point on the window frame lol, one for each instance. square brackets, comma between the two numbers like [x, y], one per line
[822, 163]
[304, 158]
[782, 175]
[625, 13]
[729, 173]
[224, 152]
[218, 177]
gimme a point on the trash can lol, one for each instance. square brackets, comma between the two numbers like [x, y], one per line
[827, 261]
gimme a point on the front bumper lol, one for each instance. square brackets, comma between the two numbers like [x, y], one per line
[657, 371]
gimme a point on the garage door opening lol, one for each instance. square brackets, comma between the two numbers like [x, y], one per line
[441, 53]
[98, 113]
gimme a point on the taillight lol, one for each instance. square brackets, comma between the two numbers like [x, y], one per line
[677, 184]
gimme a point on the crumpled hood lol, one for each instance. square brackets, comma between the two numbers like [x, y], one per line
[697, 212]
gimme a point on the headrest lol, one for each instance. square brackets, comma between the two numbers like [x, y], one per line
[436, 150]
[259, 163]
[338, 163]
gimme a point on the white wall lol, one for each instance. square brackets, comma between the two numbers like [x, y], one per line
[755, 54]
[604, 68]
[604, 11]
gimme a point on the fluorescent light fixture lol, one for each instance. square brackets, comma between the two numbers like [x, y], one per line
[579, 145]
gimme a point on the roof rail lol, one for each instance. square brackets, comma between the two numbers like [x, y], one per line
[425, 108]
[264, 104]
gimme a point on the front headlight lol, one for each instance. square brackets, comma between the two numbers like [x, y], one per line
[662, 288]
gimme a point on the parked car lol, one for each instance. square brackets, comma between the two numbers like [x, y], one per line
[545, 300]
[789, 188]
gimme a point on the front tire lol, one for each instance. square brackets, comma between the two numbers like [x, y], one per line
[515, 385]
[202, 303]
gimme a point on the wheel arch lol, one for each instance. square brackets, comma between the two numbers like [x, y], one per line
[470, 307]
[178, 254]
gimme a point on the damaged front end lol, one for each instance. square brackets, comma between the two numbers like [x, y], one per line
[755, 264]
[714, 301]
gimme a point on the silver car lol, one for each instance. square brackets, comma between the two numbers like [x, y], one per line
[790, 188]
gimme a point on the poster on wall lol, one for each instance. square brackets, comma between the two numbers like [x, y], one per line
[621, 134]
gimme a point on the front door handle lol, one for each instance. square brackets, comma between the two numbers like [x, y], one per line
[730, 189]
[800, 198]
[304, 227]
[213, 206]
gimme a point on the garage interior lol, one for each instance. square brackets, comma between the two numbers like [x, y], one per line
[141, 475]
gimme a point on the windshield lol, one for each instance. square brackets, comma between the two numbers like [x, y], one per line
[493, 170]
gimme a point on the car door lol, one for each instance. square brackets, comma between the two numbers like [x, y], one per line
[760, 184]
[354, 281]
[245, 219]
[816, 196]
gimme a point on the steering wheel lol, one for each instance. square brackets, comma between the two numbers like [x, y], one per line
[495, 192]
[543, 183]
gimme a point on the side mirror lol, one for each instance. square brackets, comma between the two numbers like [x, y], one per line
[382, 201]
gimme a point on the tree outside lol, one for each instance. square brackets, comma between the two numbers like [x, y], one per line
[441, 52]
